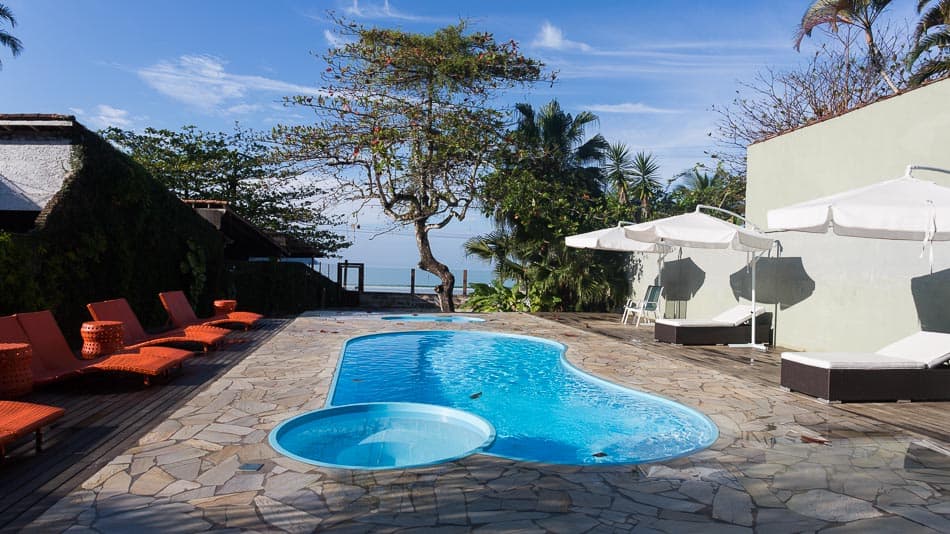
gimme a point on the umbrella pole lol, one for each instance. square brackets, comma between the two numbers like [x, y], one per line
[752, 344]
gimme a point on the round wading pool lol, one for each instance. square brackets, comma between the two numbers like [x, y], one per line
[382, 435]
[434, 318]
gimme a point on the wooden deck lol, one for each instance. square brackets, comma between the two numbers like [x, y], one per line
[105, 415]
[929, 419]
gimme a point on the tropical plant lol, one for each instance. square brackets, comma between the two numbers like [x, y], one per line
[405, 122]
[547, 184]
[6, 39]
[861, 14]
[720, 189]
[931, 42]
[496, 296]
[618, 168]
[645, 177]
[238, 167]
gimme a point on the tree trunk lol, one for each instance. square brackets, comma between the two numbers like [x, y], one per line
[428, 263]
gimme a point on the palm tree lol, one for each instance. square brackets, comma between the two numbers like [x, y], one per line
[645, 174]
[858, 13]
[558, 142]
[932, 34]
[557, 172]
[6, 39]
[618, 170]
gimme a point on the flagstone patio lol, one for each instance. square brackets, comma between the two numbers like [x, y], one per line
[185, 475]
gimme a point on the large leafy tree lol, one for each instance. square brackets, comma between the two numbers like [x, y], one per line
[930, 56]
[405, 123]
[6, 38]
[238, 167]
[548, 184]
[861, 14]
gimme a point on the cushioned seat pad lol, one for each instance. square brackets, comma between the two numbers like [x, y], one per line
[849, 360]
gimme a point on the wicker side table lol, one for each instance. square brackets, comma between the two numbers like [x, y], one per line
[100, 337]
[224, 307]
[16, 373]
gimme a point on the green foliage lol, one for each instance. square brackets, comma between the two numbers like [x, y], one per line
[240, 168]
[930, 56]
[195, 267]
[548, 184]
[697, 186]
[6, 39]
[496, 297]
[112, 231]
[405, 122]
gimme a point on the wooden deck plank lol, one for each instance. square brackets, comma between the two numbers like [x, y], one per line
[928, 419]
[105, 415]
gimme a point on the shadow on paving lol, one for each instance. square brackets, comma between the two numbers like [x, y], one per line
[105, 414]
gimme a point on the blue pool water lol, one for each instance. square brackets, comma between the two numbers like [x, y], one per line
[542, 408]
[381, 435]
[433, 318]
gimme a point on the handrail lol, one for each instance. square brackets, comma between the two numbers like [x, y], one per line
[912, 167]
[732, 213]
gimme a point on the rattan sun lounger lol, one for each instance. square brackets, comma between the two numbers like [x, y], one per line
[731, 326]
[18, 419]
[182, 315]
[914, 368]
[53, 360]
[134, 335]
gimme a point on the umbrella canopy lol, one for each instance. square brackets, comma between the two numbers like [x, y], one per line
[905, 208]
[613, 239]
[698, 230]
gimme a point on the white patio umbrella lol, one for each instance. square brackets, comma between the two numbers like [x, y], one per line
[905, 208]
[698, 230]
[614, 239]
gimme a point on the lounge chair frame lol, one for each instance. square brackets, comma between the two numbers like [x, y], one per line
[867, 385]
[715, 335]
[649, 305]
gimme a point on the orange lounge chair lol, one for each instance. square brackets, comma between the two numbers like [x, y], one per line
[18, 419]
[134, 336]
[53, 360]
[183, 315]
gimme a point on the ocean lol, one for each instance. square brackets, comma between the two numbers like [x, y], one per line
[396, 279]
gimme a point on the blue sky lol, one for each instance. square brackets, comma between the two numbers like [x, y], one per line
[650, 70]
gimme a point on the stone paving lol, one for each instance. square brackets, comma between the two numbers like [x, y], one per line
[759, 476]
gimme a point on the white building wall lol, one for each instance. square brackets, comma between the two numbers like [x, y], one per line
[830, 292]
[32, 171]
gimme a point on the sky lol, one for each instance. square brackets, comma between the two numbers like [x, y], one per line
[650, 70]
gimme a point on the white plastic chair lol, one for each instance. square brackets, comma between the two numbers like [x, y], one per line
[649, 305]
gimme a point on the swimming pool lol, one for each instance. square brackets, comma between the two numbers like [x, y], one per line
[433, 318]
[542, 408]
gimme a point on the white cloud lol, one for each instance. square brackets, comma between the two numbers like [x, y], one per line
[630, 107]
[243, 109]
[552, 37]
[382, 11]
[105, 116]
[203, 82]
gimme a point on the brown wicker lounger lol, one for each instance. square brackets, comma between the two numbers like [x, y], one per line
[134, 335]
[18, 419]
[914, 368]
[732, 326]
[53, 360]
[182, 315]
